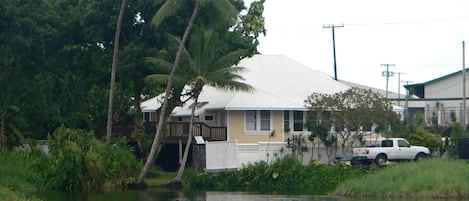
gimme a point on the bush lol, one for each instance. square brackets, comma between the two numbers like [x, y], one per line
[286, 175]
[80, 162]
[423, 137]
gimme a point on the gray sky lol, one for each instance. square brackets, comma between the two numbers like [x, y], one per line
[423, 38]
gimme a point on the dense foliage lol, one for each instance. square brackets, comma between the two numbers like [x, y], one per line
[56, 61]
[286, 176]
[77, 161]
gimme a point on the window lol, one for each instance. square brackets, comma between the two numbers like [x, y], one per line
[402, 143]
[297, 120]
[251, 120]
[286, 120]
[146, 116]
[265, 120]
[209, 117]
[386, 143]
[257, 120]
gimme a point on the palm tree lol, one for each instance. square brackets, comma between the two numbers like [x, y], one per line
[169, 8]
[209, 64]
[113, 73]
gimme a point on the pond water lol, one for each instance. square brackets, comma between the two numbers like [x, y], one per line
[173, 195]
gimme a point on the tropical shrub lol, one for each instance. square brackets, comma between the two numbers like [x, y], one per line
[287, 175]
[423, 137]
[78, 161]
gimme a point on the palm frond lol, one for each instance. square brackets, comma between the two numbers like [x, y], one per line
[159, 64]
[231, 58]
[227, 11]
[157, 78]
[169, 8]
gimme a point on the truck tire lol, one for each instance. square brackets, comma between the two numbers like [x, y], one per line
[355, 162]
[420, 156]
[380, 160]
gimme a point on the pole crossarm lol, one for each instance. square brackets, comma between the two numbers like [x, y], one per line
[387, 74]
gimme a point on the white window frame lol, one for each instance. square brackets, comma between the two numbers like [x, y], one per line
[258, 122]
[302, 121]
[291, 121]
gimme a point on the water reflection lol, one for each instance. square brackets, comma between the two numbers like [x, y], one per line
[172, 195]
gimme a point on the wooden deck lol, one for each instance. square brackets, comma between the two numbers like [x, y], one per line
[175, 131]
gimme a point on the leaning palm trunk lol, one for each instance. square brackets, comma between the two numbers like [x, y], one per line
[113, 73]
[178, 178]
[151, 155]
[2, 133]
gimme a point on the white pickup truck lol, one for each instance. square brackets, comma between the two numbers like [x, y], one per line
[388, 149]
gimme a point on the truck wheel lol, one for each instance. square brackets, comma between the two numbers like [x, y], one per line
[355, 162]
[420, 156]
[381, 160]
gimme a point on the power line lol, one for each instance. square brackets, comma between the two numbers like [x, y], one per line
[410, 22]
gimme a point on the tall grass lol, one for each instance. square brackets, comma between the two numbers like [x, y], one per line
[14, 172]
[9, 195]
[435, 178]
[15, 175]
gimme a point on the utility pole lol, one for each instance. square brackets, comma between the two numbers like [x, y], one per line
[332, 26]
[406, 110]
[399, 87]
[387, 74]
[464, 87]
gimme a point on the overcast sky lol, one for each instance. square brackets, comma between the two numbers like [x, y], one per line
[423, 38]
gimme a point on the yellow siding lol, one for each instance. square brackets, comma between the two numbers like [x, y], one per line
[236, 129]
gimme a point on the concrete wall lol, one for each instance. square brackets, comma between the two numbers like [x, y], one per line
[221, 155]
[232, 155]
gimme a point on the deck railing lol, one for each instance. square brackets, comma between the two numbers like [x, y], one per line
[174, 130]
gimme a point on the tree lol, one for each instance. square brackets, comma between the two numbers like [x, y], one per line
[349, 112]
[113, 73]
[209, 64]
[167, 9]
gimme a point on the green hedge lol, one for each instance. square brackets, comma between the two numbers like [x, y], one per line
[286, 176]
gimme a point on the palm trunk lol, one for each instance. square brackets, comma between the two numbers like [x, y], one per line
[151, 156]
[178, 178]
[113, 73]
[2, 133]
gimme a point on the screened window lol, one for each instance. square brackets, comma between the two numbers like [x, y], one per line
[258, 120]
[265, 120]
[251, 120]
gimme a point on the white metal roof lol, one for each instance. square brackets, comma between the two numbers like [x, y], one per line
[279, 84]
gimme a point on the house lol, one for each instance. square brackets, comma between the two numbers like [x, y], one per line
[257, 124]
[280, 87]
[440, 100]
